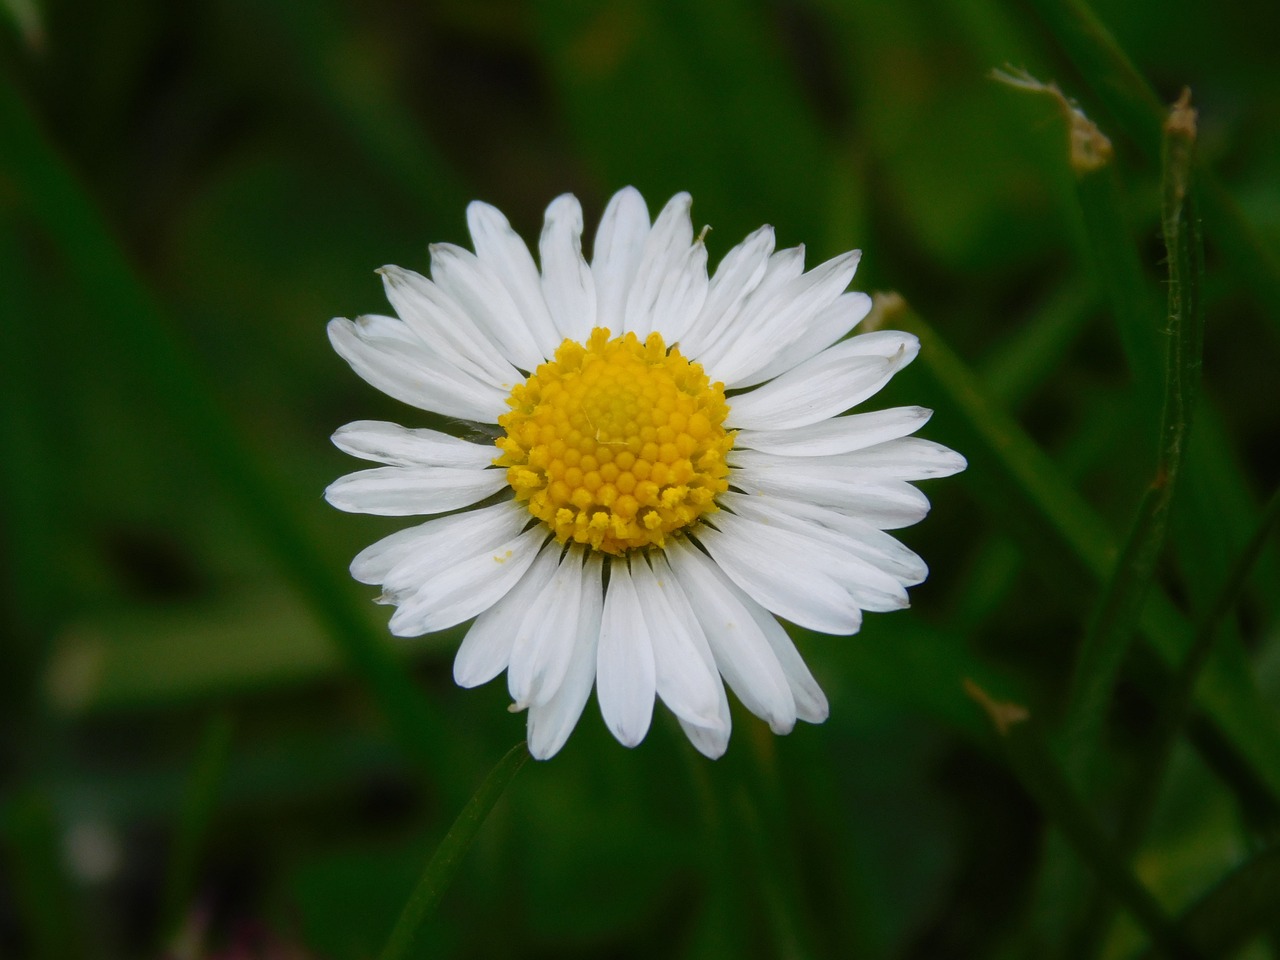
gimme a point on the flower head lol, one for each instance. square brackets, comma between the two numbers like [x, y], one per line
[676, 466]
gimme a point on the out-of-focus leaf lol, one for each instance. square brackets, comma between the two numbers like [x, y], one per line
[692, 98]
[129, 312]
[187, 653]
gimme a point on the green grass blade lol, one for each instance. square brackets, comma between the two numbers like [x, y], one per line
[445, 861]
[1141, 804]
[1015, 368]
[28, 20]
[1033, 764]
[1111, 254]
[918, 667]
[641, 82]
[31, 525]
[1133, 101]
[127, 310]
[42, 892]
[1178, 705]
[344, 72]
[1107, 641]
[1114, 256]
[1107, 68]
[1241, 907]
[1219, 512]
[1000, 452]
[195, 815]
[1025, 491]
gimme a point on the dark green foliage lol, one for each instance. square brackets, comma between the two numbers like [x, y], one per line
[204, 726]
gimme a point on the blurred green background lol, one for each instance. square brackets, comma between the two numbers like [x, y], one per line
[208, 738]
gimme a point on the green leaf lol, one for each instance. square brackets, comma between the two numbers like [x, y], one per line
[693, 98]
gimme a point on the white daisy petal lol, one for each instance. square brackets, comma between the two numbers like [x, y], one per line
[787, 573]
[850, 534]
[620, 242]
[838, 434]
[441, 548]
[399, 446]
[501, 250]
[650, 529]
[886, 504]
[399, 365]
[539, 656]
[681, 297]
[626, 682]
[835, 380]
[738, 274]
[412, 491]
[566, 279]
[476, 289]
[768, 326]
[870, 587]
[781, 268]
[486, 649]
[444, 327]
[551, 723]
[811, 702]
[438, 537]
[742, 654]
[831, 323]
[711, 741]
[467, 587]
[551, 616]
[906, 458]
[686, 682]
[671, 280]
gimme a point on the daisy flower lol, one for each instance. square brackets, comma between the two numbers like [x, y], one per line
[674, 467]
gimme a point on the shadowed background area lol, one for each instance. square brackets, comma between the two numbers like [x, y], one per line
[210, 744]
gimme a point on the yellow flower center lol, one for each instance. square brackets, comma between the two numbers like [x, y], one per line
[616, 443]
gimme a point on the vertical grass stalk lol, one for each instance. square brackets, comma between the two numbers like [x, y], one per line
[1057, 528]
[444, 863]
[126, 308]
[1032, 763]
[1112, 254]
[199, 799]
[1130, 97]
[1104, 648]
[1174, 715]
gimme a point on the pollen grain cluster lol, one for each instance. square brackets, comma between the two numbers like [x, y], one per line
[616, 443]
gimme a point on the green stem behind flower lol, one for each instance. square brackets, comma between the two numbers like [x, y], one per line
[1107, 641]
[1133, 101]
[444, 863]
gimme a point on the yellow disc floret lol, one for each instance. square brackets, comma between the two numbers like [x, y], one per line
[616, 443]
